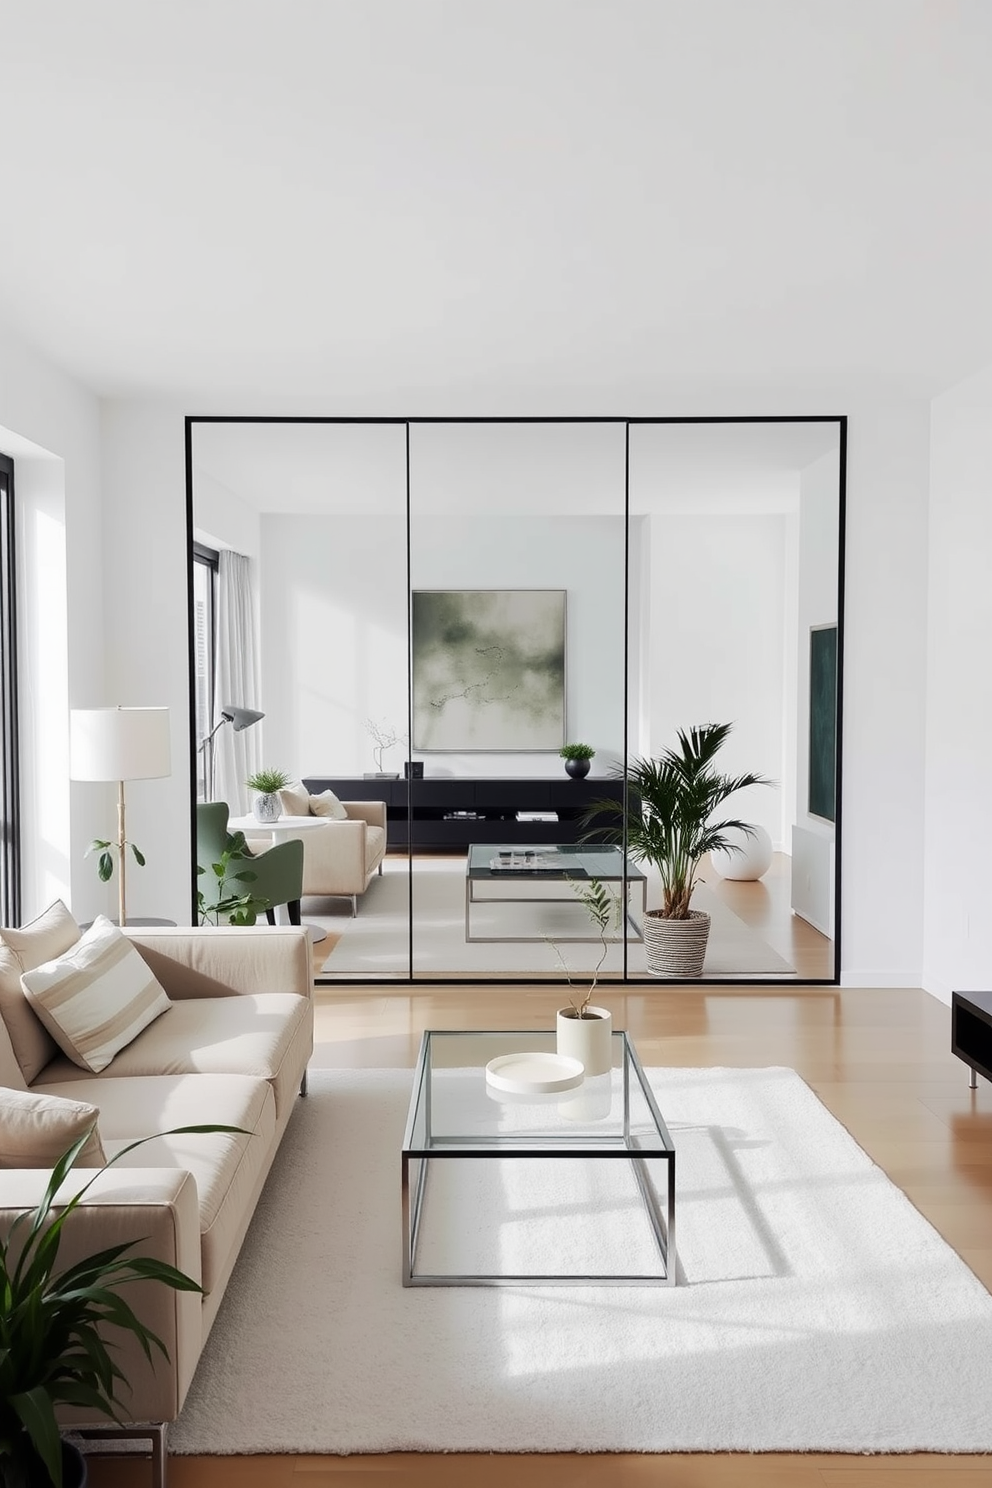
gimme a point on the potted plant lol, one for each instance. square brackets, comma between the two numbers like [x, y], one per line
[268, 783]
[233, 903]
[585, 1032]
[667, 821]
[52, 1349]
[576, 757]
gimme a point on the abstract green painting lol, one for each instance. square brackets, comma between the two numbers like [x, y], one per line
[488, 670]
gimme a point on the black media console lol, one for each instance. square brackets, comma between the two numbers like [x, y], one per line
[445, 812]
[971, 1031]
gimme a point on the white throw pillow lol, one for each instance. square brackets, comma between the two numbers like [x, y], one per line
[48, 935]
[97, 997]
[327, 804]
[36, 1129]
[294, 800]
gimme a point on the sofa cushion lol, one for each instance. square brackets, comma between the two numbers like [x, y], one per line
[46, 936]
[36, 1128]
[96, 997]
[295, 799]
[264, 1034]
[327, 804]
[225, 1167]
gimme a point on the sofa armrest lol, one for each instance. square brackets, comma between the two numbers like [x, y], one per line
[156, 1208]
[372, 812]
[334, 858]
[225, 960]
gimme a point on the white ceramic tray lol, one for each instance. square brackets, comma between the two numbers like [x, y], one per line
[534, 1074]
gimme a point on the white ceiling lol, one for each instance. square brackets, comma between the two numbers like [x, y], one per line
[410, 206]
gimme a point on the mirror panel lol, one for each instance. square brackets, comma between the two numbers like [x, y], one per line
[736, 531]
[367, 616]
[517, 572]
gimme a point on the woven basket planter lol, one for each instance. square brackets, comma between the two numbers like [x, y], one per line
[675, 948]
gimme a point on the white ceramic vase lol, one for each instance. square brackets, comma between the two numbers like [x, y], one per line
[588, 1039]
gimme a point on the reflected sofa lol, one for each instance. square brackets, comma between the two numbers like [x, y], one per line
[340, 857]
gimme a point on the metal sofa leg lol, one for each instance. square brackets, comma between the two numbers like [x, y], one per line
[303, 1083]
[354, 905]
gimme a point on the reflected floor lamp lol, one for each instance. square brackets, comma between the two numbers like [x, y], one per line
[239, 718]
[119, 744]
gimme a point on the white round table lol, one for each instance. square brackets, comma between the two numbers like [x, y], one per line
[280, 831]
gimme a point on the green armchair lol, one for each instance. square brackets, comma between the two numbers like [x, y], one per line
[278, 871]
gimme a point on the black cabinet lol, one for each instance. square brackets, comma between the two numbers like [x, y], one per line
[444, 812]
[971, 1030]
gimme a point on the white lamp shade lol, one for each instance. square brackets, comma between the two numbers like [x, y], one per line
[119, 743]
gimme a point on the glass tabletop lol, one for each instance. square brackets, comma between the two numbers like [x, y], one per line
[454, 1110]
[590, 860]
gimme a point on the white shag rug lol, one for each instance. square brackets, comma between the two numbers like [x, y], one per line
[817, 1310]
[377, 940]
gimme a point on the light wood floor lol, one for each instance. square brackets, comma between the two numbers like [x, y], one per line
[879, 1060]
[765, 905]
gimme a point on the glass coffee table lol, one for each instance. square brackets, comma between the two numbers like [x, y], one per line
[495, 1176]
[528, 867]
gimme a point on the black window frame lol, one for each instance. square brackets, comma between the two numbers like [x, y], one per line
[10, 776]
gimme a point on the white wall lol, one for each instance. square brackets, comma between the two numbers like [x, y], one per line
[50, 427]
[334, 630]
[147, 647]
[715, 602]
[333, 623]
[958, 797]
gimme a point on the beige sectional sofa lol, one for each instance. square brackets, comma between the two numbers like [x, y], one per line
[232, 1048]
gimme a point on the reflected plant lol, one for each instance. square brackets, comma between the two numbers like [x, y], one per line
[384, 737]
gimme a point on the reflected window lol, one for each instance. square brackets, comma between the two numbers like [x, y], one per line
[10, 846]
[205, 561]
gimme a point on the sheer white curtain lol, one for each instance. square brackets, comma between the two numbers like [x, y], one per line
[238, 755]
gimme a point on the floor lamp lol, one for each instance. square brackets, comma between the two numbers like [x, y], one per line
[119, 744]
[239, 718]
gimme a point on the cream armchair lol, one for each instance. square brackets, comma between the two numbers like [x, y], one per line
[340, 858]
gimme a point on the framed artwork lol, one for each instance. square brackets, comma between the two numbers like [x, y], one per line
[823, 721]
[488, 670]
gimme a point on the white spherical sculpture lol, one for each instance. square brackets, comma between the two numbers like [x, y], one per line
[751, 858]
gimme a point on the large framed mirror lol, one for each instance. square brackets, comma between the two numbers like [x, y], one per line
[411, 619]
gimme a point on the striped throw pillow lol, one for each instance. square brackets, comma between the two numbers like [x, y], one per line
[96, 997]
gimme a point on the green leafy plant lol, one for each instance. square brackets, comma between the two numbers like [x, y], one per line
[233, 903]
[268, 781]
[604, 908]
[667, 819]
[576, 751]
[52, 1348]
[105, 862]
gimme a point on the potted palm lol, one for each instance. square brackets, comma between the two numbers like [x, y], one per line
[668, 821]
[52, 1348]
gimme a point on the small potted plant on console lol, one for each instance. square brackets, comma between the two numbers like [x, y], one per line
[576, 757]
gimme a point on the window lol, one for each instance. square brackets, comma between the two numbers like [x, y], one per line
[204, 612]
[10, 833]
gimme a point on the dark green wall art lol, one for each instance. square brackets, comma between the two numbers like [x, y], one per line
[822, 721]
[488, 670]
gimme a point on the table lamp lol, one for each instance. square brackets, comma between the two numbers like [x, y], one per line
[119, 744]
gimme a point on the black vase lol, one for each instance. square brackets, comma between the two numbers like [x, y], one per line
[577, 768]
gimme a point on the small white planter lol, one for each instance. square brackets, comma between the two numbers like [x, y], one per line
[589, 1039]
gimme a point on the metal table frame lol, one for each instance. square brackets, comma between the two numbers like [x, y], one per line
[625, 1147]
[630, 874]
